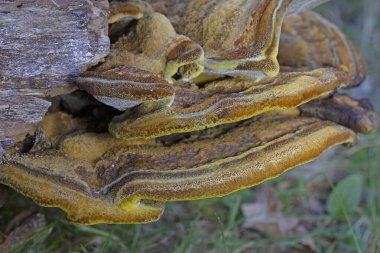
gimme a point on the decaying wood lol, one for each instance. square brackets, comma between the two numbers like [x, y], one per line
[44, 44]
[355, 114]
[18, 115]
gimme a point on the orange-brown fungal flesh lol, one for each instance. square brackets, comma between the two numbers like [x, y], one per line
[124, 87]
[250, 51]
[134, 9]
[310, 41]
[153, 45]
[185, 60]
[305, 77]
[128, 183]
[243, 162]
[240, 38]
[205, 110]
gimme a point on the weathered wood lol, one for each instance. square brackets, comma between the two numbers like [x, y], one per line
[19, 115]
[44, 44]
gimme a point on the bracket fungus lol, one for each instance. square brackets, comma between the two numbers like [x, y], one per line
[204, 98]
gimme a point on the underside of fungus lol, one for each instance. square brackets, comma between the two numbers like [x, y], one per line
[199, 99]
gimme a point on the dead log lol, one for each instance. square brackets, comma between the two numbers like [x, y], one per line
[44, 44]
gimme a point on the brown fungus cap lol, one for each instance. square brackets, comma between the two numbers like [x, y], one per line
[186, 134]
[97, 179]
[240, 38]
[307, 74]
[152, 44]
[131, 9]
[309, 41]
[124, 87]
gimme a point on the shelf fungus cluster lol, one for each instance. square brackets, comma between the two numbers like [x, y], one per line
[197, 99]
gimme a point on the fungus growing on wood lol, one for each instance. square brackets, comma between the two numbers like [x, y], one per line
[196, 110]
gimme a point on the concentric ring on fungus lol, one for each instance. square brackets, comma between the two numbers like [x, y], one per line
[204, 108]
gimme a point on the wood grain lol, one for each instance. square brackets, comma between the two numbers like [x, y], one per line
[44, 44]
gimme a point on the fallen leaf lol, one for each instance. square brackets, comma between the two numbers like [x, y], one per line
[345, 196]
[266, 216]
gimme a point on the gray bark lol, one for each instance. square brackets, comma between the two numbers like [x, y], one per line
[44, 45]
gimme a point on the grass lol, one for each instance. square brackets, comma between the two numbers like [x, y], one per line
[346, 216]
[217, 225]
